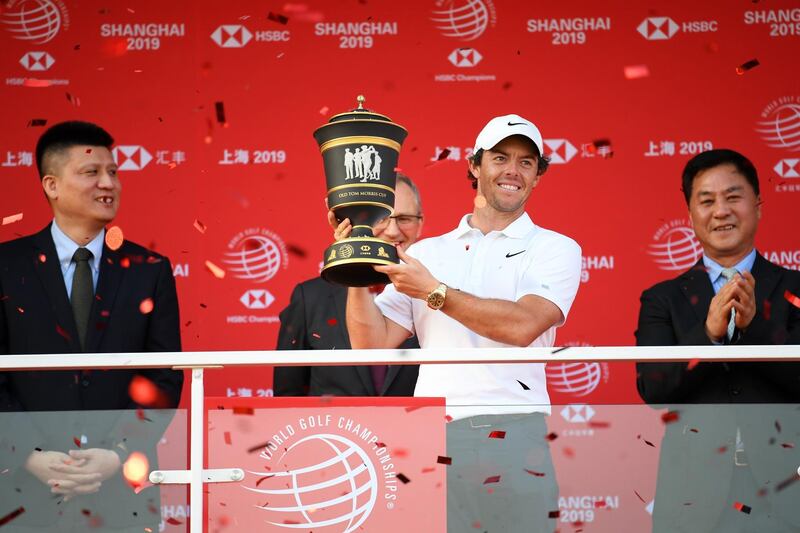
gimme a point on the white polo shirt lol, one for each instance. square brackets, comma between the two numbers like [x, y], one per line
[509, 264]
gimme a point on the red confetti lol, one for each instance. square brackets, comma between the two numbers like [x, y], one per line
[215, 270]
[443, 460]
[324, 110]
[316, 335]
[11, 516]
[497, 435]
[146, 306]
[786, 482]
[639, 496]
[241, 410]
[551, 436]
[332, 321]
[599, 503]
[428, 470]
[77, 441]
[491, 479]
[199, 226]
[228, 438]
[61, 331]
[767, 310]
[145, 392]
[20, 310]
[635, 72]
[34, 122]
[11, 219]
[553, 514]
[569, 452]
[534, 473]
[125, 262]
[792, 299]
[296, 250]
[670, 417]
[599, 424]
[742, 507]
[443, 154]
[86, 512]
[747, 65]
[174, 521]
[722, 449]
[402, 477]
[692, 363]
[649, 443]
[42, 258]
[787, 445]
[219, 107]
[268, 476]
[277, 17]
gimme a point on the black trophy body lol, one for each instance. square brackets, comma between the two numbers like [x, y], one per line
[360, 151]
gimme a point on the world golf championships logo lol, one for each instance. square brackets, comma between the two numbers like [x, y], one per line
[35, 21]
[578, 379]
[328, 477]
[255, 254]
[675, 246]
[780, 127]
[465, 20]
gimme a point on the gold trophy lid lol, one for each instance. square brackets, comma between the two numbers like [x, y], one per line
[359, 113]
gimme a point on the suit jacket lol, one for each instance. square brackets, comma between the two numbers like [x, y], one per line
[697, 465]
[315, 320]
[64, 410]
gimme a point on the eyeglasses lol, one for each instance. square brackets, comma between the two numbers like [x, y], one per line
[403, 221]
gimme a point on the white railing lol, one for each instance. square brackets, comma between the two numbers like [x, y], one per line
[198, 361]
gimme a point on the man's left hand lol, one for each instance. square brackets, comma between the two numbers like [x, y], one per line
[410, 277]
[98, 460]
[745, 299]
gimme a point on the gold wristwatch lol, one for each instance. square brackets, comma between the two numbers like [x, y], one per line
[437, 296]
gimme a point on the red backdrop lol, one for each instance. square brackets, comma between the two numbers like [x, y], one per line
[213, 106]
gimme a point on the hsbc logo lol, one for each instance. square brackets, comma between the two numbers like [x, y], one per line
[577, 413]
[657, 28]
[257, 299]
[131, 157]
[231, 36]
[560, 151]
[37, 61]
[465, 57]
[663, 28]
[788, 168]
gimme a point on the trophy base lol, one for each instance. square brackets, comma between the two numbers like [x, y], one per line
[349, 262]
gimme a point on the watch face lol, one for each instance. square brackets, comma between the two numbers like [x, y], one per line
[436, 300]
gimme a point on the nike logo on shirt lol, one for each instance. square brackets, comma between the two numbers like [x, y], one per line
[512, 255]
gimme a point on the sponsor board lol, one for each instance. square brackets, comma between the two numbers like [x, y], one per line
[238, 36]
[568, 31]
[328, 465]
[356, 34]
[143, 36]
[665, 28]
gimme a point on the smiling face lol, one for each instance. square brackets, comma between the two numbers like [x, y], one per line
[724, 210]
[507, 175]
[83, 188]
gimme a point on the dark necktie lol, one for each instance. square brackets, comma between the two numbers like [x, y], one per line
[82, 292]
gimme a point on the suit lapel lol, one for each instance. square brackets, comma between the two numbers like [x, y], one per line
[340, 306]
[48, 269]
[767, 276]
[697, 288]
[108, 282]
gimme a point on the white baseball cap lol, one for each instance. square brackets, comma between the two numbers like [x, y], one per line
[499, 128]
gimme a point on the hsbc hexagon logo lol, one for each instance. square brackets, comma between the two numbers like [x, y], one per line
[657, 28]
[231, 36]
[788, 168]
[131, 157]
[465, 57]
[577, 413]
[560, 151]
[257, 299]
[37, 61]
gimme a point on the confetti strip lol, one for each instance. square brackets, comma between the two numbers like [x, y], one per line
[11, 516]
[260, 480]
[670, 417]
[173, 521]
[241, 410]
[219, 107]
[524, 387]
[786, 482]
[791, 298]
[635, 72]
[534, 473]
[497, 435]
[639, 496]
[37, 122]
[227, 438]
[561, 349]
[277, 17]
[551, 436]
[747, 65]
[199, 226]
[146, 306]
[490, 479]
[553, 514]
[143, 391]
[691, 364]
[598, 424]
[324, 110]
[296, 250]
[443, 460]
[215, 270]
[12, 218]
[332, 321]
[402, 477]
[443, 154]
[61, 331]
[742, 507]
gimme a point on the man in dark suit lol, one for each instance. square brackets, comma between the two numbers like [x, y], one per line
[69, 289]
[315, 320]
[714, 457]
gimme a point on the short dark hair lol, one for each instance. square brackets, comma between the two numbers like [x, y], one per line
[65, 135]
[714, 158]
[542, 163]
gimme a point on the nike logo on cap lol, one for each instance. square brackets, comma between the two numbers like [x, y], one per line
[512, 255]
[516, 123]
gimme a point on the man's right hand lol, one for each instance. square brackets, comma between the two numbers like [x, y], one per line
[62, 473]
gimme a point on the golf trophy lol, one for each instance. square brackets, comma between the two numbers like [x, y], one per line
[359, 151]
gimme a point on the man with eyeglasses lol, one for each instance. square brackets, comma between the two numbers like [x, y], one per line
[315, 320]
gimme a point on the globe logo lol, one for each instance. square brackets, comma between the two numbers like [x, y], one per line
[578, 379]
[463, 19]
[335, 494]
[256, 258]
[677, 249]
[782, 130]
[37, 21]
